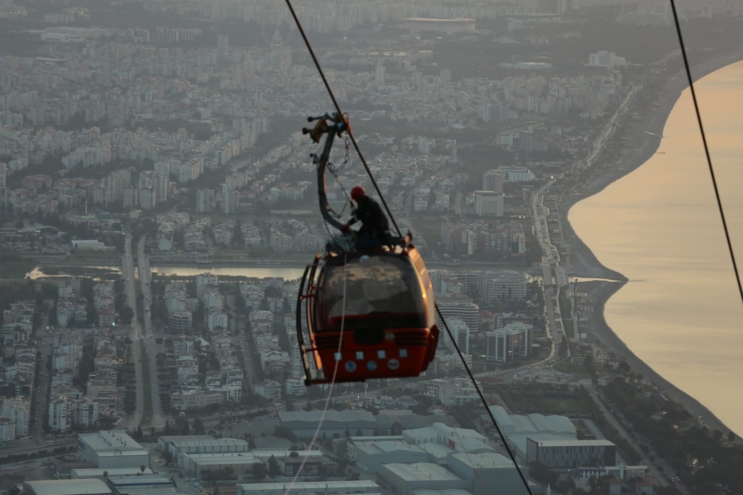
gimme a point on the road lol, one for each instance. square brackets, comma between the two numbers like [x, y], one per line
[145, 277]
[45, 341]
[127, 270]
[620, 427]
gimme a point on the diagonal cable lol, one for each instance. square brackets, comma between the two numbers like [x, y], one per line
[389, 213]
[482, 398]
[706, 148]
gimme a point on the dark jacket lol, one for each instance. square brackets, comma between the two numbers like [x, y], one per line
[372, 216]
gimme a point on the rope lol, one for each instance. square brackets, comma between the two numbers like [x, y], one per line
[399, 233]
[340, 112]
[332, 384]
[706, 148]
[484, 402]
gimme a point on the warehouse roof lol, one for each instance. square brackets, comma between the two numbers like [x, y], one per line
[309, 485]
[222, 460]
[574, 443]
[110, 441]
[184, 438]
[421, 471]
[209, 443]
[387, 447]
[484, 460]
[315, 416]
[90, 486]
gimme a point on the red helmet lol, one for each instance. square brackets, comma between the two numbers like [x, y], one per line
[357, 192]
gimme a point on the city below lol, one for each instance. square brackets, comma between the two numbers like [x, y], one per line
[158, 206]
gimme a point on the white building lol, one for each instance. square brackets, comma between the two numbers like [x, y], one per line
[405, 478]
[493, 181]
[7, 430]
[461, 333]
[489, 204]
[569, 454]
[502, 285]
[372, 456]
[516, 174]
[456, 391]
[460, 307]
[269, 389]
[606, 59]
[112, 448]
[487, 470]
[61, 413]
[508, 344]
[216, 319]
[85, 411]
[17, 410]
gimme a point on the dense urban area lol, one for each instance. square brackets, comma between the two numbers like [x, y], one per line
[158, 207]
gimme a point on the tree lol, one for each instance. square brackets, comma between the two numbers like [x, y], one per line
[105, 474]
[142, 467]
[198, 426]
[273, 467]
[259, 472]
[126, 314]
[216, 491]
[731, 436]
[186, 428]
[237, 236]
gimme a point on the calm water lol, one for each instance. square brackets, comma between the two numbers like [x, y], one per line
[660, 227]
[285, 273]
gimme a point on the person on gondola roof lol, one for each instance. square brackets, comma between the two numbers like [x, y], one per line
[375, 230]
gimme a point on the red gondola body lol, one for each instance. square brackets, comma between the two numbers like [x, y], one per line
[368, 313]
[381, 302]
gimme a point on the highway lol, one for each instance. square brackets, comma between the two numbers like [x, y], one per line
[45, 343]
[127, 270]
[145, 277]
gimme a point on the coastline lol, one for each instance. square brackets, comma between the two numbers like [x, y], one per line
[645, 137]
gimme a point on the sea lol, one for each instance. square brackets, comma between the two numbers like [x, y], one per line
[681, 312]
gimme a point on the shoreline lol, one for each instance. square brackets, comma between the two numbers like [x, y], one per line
[586, 264]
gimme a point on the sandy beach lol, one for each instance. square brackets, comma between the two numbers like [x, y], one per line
[644, 139]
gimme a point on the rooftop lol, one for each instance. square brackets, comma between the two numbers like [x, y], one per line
[574, 443]
[421, 471]
[309, 485]
[110, 441]
[184, 438]
[484, 460]
[67, 487]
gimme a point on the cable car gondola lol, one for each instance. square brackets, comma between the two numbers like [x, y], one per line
[362, 314]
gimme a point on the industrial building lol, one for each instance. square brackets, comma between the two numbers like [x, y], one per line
[566, 454]
[408, 477]
[311, 488]
[355, 442]
[487, 470]
[154, 484]
[201, 445]
[304, 423]
[66, 487]
[372, 456]
[458, 439]
[197, 465]
[164, 442]
[518, 429]
[111, 449]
